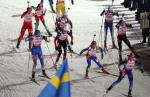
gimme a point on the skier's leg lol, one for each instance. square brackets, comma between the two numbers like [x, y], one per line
[105, 35]
[87, 68]
[34, 56]
[63, 8]
[127, 42]
[43, 22]
[40, 55]
[23, 29]
[130, 77]
[112, 35]
[58, 56]
[121, 76]
[120, 48]
[65, 50]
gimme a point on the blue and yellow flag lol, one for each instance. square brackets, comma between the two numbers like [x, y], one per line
[58, 85]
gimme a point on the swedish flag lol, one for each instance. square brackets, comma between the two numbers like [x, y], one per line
[59, 85]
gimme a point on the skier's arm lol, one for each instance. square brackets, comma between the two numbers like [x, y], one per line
[141, 66]
[82, 51]
[33, 7]
[103, 12]
[118, 24]
[122, 63]
[29, 37]
[129, 25]
[71, 38]
[69, 21]
[116, 13]
[45, 38]
[44, 11]
[101, 51]
[23, 14]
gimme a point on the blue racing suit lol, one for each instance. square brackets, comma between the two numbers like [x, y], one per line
[37, 51]
[108, 22]
[127, 70]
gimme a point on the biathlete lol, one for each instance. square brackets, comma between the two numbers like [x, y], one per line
[60, 7]
[61, 41]
[27, 24]
[37, 52]
[39, 16]
[65, 23]
[127, 70]
[109, 13]
[91, 56]
[122, 27]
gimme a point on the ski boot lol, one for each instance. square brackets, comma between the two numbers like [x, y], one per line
[109, 89]
[18, 43]
[129, 93]
[33, 76]
[87, 74]
[104, 71]
[44, 74]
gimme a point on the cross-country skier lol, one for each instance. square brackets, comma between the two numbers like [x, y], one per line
[50, 3]
[91, 56]
[60, 7]
[39, 16]
[27, 24]
[61, 41]
[37, 51]
[65, 23]
[122, 26]
[109, 14]
[127, 70]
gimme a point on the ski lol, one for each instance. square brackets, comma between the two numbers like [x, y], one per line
[82, 79]
[86, 78]
[126, 95]
[33, 80]
[107, 73]
[44, 76]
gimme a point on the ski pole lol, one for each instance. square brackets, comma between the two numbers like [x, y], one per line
[28, 3]
[50, 53]
[94, 37]
[100, 34]
[112, 2]
[28, 65]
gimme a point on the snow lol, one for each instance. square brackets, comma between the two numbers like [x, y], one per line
[14, 67]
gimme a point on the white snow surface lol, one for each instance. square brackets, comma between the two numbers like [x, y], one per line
[85, 15]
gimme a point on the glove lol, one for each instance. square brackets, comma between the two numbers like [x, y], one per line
[71, 42]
